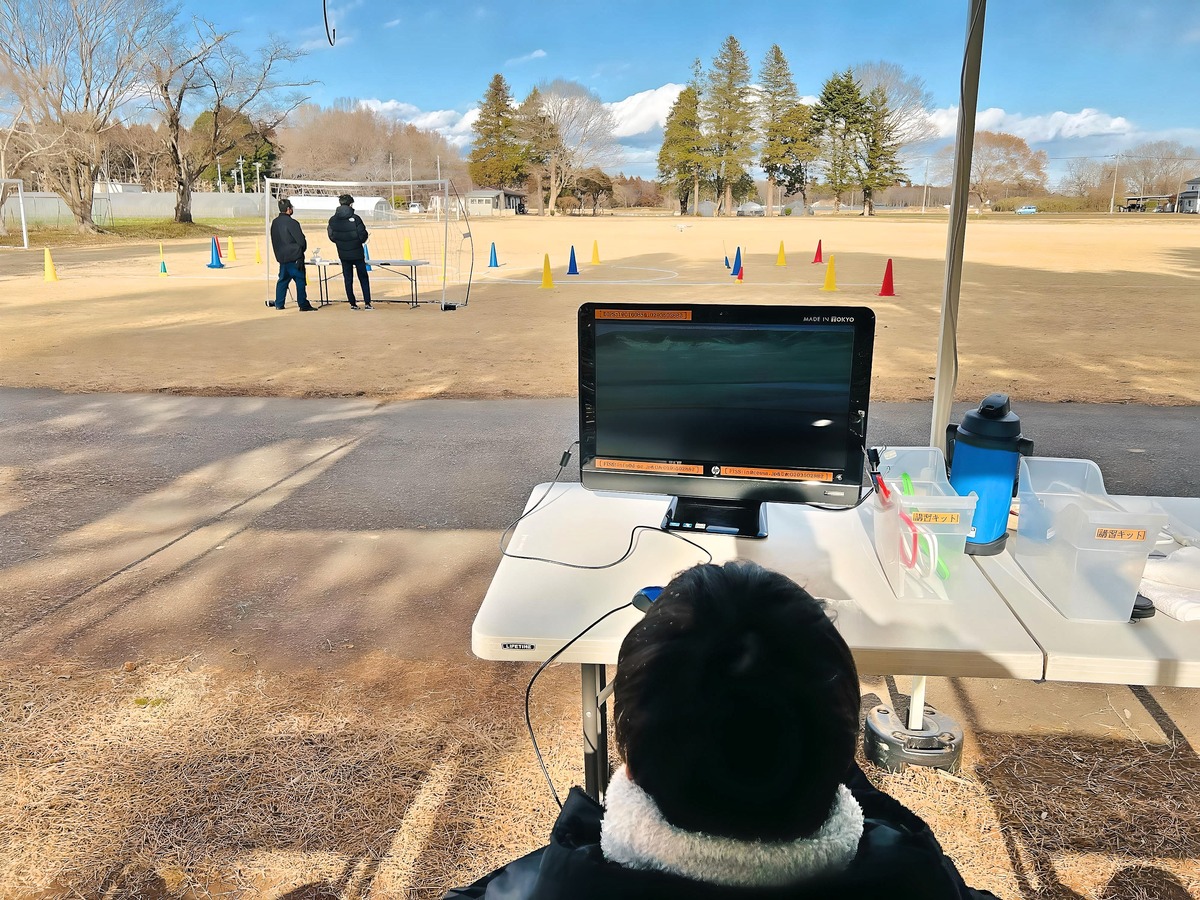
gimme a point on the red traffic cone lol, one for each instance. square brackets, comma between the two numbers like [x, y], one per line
[887, 290]
[817, 257]
[741, 274]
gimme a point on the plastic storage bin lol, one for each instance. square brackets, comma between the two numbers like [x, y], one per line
[920, 533]
[1082, 549]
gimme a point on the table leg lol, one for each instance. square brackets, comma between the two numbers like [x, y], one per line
[595, 732]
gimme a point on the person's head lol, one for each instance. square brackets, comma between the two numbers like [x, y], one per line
[737, 704]
[346, 200]
[285, 206]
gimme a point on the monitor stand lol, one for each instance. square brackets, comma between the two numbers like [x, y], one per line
[740, 518]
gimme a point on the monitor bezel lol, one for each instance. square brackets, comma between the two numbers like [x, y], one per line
[845, 493]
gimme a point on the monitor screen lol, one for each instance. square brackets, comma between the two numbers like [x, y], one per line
[730, 402]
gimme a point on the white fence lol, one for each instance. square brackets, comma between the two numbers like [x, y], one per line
[47, 210]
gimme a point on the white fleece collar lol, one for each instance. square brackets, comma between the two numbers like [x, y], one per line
[635, 834]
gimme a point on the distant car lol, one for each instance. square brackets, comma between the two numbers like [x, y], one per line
[751, 209]
[416, 208]
[1026, 210]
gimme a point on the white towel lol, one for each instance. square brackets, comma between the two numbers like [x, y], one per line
[1173, 583]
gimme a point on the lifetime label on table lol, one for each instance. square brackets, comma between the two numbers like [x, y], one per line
[936, 518]
[1120, 534]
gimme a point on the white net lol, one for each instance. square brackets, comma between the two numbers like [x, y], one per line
[419, 242]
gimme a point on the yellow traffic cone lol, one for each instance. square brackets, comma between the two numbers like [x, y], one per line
[407, 249]
[257, 254]
[547, 278]
[781, 260]
[595, 253]
[49, 272]
[232, 251]
[830, 278]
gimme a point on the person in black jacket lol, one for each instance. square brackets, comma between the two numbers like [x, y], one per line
[349, 233]
[288, 243]
[737, 717]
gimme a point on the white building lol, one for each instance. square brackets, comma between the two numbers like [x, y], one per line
[1189, 198]
[494, 202]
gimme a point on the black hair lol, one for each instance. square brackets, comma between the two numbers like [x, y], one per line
[346, 200]
[737, 704]
[285, 204]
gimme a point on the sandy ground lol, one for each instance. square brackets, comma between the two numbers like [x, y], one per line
[343, 771]
[1052, 309]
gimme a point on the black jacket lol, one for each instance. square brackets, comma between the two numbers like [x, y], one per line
[349, 233]
[287, 239]
[898, 856]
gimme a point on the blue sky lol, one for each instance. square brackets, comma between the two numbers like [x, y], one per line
[1073, 77]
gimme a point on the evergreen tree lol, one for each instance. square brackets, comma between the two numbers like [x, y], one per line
[538, 139]
[728, 115]
[496, 158]
[839, 119]
[876, 150]
[786, 149]
[682, 158]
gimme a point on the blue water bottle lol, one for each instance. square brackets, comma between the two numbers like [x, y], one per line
[983, 453]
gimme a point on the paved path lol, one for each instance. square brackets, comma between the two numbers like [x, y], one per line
[150, 524]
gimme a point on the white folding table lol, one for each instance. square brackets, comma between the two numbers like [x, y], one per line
[532, 608]
[405, 268]
[1155, 651]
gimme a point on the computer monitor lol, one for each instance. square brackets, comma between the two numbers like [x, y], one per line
[724, 407]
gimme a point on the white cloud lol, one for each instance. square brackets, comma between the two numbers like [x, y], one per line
[644, 111]
[528, 57]
[392, 24]
[1191, 37]
[454, 126]
[1035, 129]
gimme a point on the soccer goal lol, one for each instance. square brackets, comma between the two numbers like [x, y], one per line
[419, 240]
[12, 212]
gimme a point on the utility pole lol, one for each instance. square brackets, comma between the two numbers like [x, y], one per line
[925, 194]
[241, 174]
[220, 183]
[392, 179]
[410, 192]
[1116, 168]
[257, 177]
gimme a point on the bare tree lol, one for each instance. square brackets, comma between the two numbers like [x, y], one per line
[908, 101]
[352, 142]
[75, 65]
[198, 68]
[1158, 167]
[16, 148]
[1082, 178]
[584, 126]
[1001, 162]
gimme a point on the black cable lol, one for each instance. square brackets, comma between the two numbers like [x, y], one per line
[529, 690]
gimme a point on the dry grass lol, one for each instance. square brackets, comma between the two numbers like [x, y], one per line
[169, 781]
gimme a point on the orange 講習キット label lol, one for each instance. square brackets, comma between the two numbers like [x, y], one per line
[674, 315]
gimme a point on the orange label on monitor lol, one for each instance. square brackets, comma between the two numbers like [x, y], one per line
[778, 474]
[674, 315]
[1120, 534]
[935, 518]
[631, 465]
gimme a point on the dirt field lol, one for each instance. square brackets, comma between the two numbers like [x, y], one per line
[1052, 309]
[343, 773]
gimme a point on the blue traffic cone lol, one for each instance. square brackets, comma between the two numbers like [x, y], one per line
[216, 257]
[492, 264]
[367, 257]
[727, 262]
[737, 262]
[572, 269]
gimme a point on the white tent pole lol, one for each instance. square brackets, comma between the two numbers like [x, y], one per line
[947, 356]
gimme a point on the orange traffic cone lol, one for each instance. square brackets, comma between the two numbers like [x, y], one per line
[817, 257]
[887, 290]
